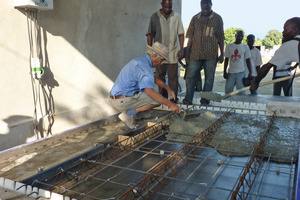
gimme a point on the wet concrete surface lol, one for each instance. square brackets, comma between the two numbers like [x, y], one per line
[25, 161]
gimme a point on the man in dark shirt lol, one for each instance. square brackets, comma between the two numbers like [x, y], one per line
[205, 34]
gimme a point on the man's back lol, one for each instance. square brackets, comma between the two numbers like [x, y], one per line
[134, 77]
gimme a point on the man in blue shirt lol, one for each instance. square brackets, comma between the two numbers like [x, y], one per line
[133, 90]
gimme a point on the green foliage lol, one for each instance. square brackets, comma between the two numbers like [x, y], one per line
[274, 37]
[229, 35]
[258, 42]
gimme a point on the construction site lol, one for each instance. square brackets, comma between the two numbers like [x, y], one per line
[243, 147]
[226, 157]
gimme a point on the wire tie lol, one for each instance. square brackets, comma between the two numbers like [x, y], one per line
[20, 187]
[32, 193]
[35, 181]
[63, 188]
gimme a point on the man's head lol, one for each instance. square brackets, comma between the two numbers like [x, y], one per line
[239, 36]
[250, 40]
[166, 6]
[291, 28]
[158, 53]
[206, 7]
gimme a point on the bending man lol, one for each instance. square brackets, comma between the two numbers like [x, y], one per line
[133, 91]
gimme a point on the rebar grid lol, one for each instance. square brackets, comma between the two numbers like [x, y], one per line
[208, 184]
[251, 168]
[78, 172]
[153, 181]
[201, 159]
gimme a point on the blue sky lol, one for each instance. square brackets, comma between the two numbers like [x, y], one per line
[253, 16]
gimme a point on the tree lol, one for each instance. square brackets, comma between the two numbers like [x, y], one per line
[258, 42]
[229, 35]
[274, 37]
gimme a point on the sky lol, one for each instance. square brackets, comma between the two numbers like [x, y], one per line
[256, 17]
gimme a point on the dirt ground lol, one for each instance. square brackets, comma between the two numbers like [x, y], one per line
[219, 84]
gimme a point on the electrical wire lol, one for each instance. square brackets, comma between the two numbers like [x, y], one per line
[39, 98]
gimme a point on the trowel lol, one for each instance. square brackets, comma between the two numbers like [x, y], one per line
[217, 97]
[189, 114]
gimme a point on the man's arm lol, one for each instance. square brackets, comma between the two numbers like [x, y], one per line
[181, 42]
[225, 74]
[249, 67]
[221, 46]
[263, 71]
[160, 83]
[157, 97]
[149, 39]
[257, 68]
[188, 52]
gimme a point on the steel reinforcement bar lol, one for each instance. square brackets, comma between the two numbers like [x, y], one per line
[158, 176]
[81, 170]
[252, 167]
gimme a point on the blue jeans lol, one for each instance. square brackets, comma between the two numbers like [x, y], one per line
[194, 68]
[234, 79]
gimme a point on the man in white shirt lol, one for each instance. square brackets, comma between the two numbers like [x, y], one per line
[287, 53]
[255, 60]
[238, 56]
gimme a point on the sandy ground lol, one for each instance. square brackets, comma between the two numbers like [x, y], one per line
[219, 84]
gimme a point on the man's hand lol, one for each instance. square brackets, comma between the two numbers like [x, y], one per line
[263, 71]
[253, 86]
[175, 108]
[221, 58]
[179, 54]
[171, 93]
[225, 75]
[250, 76]
[292, 68]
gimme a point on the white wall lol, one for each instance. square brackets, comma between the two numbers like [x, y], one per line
[84, 44]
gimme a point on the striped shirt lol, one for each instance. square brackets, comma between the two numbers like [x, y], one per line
[205, 37]
[166, 31]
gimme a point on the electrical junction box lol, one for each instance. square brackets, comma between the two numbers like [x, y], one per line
[37, 4]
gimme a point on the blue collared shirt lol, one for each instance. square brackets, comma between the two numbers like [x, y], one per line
[134, 77]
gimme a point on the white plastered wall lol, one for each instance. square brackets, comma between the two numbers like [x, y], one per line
[84, 45]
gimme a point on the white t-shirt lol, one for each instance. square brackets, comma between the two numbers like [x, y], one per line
[286, 54]
[237, 55]
[255, 61]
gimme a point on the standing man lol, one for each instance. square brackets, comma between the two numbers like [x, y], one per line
[133, 90]
[205, 34]
[255, 60]
[166, 27]
[238, 56]
[287, 53]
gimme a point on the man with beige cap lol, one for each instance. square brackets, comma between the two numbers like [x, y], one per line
[133, 90]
